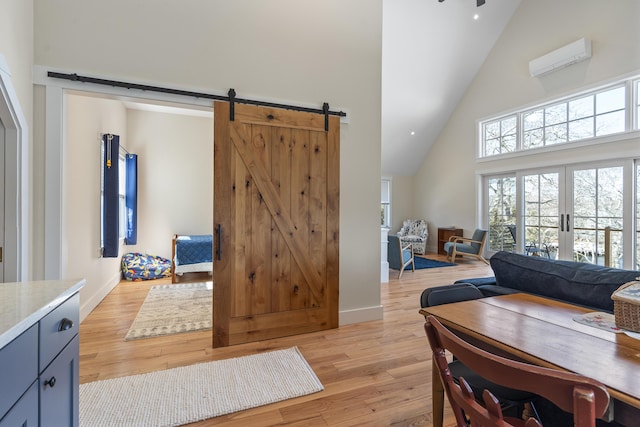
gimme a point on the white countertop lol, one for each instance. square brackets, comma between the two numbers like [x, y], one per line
[23, 304]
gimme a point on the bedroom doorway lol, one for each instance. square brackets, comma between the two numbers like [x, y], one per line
[276, 223]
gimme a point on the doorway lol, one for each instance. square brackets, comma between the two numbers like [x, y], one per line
[13, 179]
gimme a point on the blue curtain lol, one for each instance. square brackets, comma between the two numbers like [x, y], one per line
[131, 204]
[110, 203]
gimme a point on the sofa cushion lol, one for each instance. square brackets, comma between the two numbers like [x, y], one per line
[578, 283]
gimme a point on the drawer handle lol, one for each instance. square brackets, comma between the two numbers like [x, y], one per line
[65, 325]
[51, 382]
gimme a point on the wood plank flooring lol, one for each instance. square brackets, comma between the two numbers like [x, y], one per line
[375, 373]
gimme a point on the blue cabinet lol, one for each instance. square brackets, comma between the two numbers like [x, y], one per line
[40, 372]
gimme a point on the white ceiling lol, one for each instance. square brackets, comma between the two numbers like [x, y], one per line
[431, 51]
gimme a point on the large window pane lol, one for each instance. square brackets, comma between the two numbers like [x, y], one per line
[555, 114]
[492, 147]
[555, 134]
[638, 106]
[501, 212]
[581, 129]
[580, 108]
[540, 217]
[609, 123]
[385, 203]
[501, 136]
[637, 263]
[492, 130]
[533, 139]
[610, 100]
[598, 213]
[533, 120]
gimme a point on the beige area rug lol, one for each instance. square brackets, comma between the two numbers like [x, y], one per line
[172, 309]
[188, 394]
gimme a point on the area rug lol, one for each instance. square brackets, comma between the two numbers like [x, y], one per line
[429, 263]
[193, 393]
[172, 309]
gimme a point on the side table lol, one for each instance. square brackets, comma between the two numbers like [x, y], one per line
[444, 233]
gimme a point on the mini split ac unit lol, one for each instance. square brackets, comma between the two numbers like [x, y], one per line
[572, 53]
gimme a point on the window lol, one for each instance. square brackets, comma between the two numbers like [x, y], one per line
[500, 136]
[501, 203]
[594, 114]
[637, 215]
[638, 104]
[116, 225]
[122, 194]
[385, 203]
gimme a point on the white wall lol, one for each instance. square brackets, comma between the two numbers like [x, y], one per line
[87, 119]
[295, 51]
[401, 201]
[175, 177]
[503, 83]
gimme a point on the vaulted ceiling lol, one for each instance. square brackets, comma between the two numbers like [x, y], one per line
[431, 52]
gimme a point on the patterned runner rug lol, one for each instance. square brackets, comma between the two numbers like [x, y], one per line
[188, 394]
[172, 309]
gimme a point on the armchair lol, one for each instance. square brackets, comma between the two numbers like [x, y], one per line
[458, 245]
[399, 255]
[414, 231]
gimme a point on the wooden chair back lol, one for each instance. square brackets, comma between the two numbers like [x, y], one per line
[586, 398]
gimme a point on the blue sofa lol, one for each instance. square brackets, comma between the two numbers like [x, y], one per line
[578, 283]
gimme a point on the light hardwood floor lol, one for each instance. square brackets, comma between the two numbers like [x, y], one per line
[375, 373]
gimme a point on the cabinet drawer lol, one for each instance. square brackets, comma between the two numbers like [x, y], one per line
[18, 367]
[59, 404]
[58, 328]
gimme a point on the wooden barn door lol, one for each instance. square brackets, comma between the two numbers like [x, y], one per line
[276, 218]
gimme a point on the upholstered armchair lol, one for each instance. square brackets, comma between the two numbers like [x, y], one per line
[458, 245]
[414, 231]
[400, 256]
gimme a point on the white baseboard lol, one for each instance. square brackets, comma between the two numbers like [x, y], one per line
[95, 299]
[359, 315]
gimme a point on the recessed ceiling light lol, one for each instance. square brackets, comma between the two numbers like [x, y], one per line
[413, 133]
[476, 17]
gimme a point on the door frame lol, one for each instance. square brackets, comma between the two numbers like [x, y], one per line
[54, 140]
[16, 168]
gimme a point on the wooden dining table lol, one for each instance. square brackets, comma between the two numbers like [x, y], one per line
[543, 332]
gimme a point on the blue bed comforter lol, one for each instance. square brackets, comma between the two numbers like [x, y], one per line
[194, 249]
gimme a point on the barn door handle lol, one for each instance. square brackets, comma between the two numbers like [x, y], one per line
[219, 242]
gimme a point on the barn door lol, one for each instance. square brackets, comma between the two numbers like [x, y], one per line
[276, 217]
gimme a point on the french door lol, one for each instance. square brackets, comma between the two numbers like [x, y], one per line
[580, 213]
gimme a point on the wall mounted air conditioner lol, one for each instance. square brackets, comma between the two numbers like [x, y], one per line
[572, 53]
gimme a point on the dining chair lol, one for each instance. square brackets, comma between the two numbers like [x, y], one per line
[586, 398]
[508, 397]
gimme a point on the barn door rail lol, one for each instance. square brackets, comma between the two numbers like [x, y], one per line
[231, 96]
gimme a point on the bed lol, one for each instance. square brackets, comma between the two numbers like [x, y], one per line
[191, 254]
